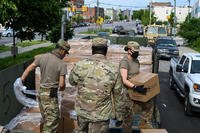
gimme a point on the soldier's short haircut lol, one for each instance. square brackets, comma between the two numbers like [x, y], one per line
[99, 50]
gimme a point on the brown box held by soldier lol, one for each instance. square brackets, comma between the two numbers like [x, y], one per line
[67, 123]
[150, 81]
[153, 131]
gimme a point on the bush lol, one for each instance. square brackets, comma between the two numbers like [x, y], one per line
[55, 33]
[196, 45]
[190, 31]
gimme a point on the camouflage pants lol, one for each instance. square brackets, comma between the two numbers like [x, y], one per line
[144, 115]
[85, 126]
[49, 109]
[128, 116]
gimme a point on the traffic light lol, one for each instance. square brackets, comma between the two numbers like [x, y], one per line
[69, 9]
[84, 8]
[73, 8]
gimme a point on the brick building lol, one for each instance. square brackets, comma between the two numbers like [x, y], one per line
[91, 14]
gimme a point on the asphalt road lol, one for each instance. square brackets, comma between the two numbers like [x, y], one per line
[171, 107]
[9, 40]
[126, 25]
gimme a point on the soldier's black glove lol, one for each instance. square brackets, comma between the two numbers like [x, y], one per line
[118, 123]
[140, 89]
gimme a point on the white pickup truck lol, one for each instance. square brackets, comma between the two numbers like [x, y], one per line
[185, 78]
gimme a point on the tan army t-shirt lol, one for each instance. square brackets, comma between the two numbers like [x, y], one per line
[132, 66]
[51, 68]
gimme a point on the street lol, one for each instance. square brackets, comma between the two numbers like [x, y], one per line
[126, 25]
[171, 107]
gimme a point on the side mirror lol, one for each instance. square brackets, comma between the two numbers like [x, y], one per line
[185, 69]
[179, 68]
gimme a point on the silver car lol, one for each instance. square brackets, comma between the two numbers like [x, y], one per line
[8, 32]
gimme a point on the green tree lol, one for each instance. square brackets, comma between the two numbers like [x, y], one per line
[29, 16]
[121, 17]
[190, 30]
[40, 16]
[126, 17]
[55, 33]
[77, 18]
[107, 17]
[171, 19]
[143, 15]
[8, 10]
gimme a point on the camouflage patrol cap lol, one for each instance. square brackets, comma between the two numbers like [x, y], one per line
[133, 46]
[99, 42]
[64, 45]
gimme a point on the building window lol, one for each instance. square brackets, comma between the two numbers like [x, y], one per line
[167, 11]
[179, 12]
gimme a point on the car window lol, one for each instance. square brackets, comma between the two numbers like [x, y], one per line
[195, 66]
[166, 42]
[186, 64]
[182, 60]
[152, 30]
[161, 30]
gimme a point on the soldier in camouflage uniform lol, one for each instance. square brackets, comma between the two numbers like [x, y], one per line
[95, 79]
[53, 71]
[129, 66]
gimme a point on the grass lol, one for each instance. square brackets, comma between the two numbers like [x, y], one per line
[30, 43]
[94, 31]
[195, 48]
[4, 48]
[9, 61]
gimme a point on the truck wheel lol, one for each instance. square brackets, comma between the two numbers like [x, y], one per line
[188, 107]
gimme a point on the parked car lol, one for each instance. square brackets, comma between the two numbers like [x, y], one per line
[8, 32]
[184, 77]
[139, 29]
[117, 29]
[74, 24]
[166, 48]
[103, 34]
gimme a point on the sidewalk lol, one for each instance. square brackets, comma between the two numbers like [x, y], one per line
[25, 49]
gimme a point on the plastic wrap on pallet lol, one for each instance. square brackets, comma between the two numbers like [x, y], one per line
[19, 90]
[34, 118]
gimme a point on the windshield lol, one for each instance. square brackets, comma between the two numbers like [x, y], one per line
[195, 66]
[152, 30]
[166, 42]
[161, 30]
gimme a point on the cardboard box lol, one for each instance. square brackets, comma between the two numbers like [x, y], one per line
[67, 122]
[150, 81]
[153, 131]
[29, 127]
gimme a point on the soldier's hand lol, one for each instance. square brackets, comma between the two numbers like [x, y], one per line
[140, 89]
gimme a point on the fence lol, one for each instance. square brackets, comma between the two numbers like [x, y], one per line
[9, 106]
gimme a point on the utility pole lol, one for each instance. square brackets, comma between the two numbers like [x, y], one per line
[150, 13]
[65, 16]
[97, 9]
[63, 25]
[174, 18]
[188, 11]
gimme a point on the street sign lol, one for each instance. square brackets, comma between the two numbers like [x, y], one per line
[79, 12]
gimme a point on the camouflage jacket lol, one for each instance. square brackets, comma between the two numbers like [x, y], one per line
[96, 80]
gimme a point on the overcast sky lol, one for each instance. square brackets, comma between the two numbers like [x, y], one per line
[133, 4]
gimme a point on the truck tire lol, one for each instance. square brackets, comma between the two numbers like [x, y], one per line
[188, 106]
[171, 80]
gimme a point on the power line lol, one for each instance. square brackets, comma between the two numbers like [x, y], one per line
[121, 5]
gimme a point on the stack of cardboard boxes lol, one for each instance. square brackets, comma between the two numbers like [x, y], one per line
[82, 49]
